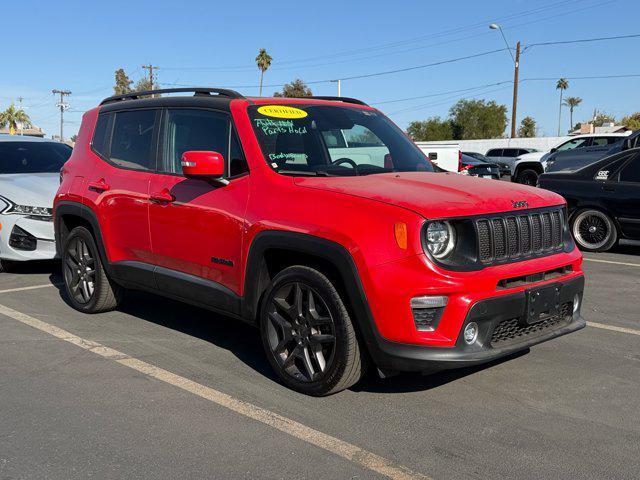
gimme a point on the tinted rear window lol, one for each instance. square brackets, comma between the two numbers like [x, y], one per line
[33, 157]
[496, 152]
[100, 139]
[132, 139]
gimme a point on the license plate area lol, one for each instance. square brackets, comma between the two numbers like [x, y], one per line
[542, 303]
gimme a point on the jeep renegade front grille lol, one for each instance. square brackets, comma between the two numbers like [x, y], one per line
[514, 236]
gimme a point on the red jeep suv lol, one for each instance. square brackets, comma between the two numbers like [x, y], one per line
[319, 221]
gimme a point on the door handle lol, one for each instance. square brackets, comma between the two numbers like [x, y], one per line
[99, 186]
[163, 196]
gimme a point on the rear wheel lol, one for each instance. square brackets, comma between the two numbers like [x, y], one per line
[594, 231]
[87, 284]
[308, 335]
[527, 177]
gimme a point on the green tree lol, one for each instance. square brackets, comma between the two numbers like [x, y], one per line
[13, 116]
[434, 128]
[632, 121]
[561, 85]
[602, 118]
[572, 102]
[295, 89]
[263, 60]
[473, 119]
[527, 128]
[123, 83]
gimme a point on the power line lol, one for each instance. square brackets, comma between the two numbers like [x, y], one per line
[583, 40]
[586, 77]
[478, 87]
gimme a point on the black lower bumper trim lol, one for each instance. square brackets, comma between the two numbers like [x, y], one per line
[488, 314]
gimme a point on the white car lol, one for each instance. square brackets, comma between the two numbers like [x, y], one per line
[29, 179]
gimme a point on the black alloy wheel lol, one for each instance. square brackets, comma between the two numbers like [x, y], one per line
[301, 332]
[528, 177]
[79, 271]
[88, 287]
[307, 333]
[594, 231]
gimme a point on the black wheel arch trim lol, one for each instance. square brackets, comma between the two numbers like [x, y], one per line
[334, 253]
[85, 213]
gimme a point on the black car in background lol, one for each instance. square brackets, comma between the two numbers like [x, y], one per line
[603, 199]
[470, 165]
[573, 159]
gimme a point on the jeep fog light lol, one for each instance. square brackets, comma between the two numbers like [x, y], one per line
[470, 333]
[576, 303]
[427, 312]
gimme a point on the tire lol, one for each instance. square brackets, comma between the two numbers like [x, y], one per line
[308, 335]
[87, 285]
[527, 177]
[593, 230]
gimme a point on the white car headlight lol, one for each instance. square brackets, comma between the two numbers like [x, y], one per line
[7, 207]
[440, 238]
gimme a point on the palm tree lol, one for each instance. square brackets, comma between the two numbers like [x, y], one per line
[561, 85]
[572, 102]
[263, 60]
[11, 117]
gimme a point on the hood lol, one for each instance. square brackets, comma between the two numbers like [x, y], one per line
[36, 189]
[533, 156]
[436, 195]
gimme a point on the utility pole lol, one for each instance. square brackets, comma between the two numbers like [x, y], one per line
[516, 63]
[150, 67]
[20, 99]
[62, 106]
[515, 91]
[339, 84]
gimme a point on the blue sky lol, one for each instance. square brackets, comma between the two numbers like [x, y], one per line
[77, 45]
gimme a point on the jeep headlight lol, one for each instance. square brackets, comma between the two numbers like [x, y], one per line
[440, 239]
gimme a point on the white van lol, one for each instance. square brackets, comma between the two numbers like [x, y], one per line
[446, 155]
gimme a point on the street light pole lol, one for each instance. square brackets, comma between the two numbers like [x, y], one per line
[516, 63]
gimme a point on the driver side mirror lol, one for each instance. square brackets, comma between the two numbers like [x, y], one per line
[202, 164]
[554, 149]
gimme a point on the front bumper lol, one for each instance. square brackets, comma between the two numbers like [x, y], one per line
[498, 319]
[41, 231]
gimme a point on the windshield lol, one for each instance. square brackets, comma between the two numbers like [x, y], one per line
[332, 140]
[32, 157]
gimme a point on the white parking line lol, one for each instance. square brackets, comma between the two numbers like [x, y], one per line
[331, 444]
[613, 328]
[32, 287]
[611, 261]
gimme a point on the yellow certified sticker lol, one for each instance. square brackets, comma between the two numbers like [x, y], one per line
[281, 111]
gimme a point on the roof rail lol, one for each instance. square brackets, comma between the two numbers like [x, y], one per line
[198, 92]
[340, 99]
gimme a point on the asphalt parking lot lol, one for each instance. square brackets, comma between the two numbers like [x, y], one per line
[164, 390]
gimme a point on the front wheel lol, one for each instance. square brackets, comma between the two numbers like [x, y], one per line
[308, 335]
[527, 177]
[88, 287]
[594, 231]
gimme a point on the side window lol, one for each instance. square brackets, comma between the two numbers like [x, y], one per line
[631, 171]
[510, 152]
[522, 151]
[132, 140]
[608, 171]
[575, 143]
[495, 152]
[603, 141]
[237, 162]
[191, 129]
[100, 139]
